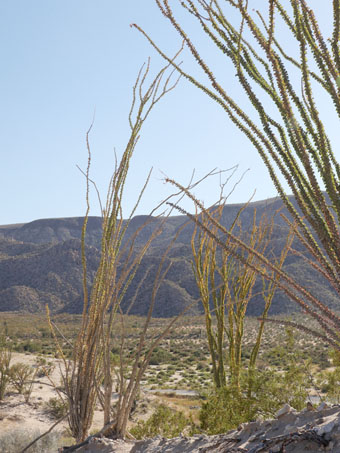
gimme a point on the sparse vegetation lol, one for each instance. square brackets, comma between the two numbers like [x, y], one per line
[15, 440]
[111, 350]
[283, 370]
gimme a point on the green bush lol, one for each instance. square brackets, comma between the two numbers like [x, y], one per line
[57, 407]
[164, 421]
[224, 411]
[160, 356]
[31, 346]
[20, 376]
[225, 408]
[330, 380]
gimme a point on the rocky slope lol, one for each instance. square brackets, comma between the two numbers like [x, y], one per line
[40, 262]
[290, 432]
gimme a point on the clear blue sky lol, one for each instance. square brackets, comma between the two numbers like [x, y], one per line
[63, 59]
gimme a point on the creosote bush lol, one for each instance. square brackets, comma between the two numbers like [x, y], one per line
[57, 407]
[21, 375]
[160, 356]
[164, 422]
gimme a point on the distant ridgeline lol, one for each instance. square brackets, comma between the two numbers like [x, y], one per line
[40, 263]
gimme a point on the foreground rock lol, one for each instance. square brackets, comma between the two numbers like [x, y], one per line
[291, 432]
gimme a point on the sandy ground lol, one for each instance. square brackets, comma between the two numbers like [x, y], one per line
[35, 415]
[309, 428]
[16, 413]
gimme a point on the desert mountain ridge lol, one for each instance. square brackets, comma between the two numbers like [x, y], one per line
[40, 263]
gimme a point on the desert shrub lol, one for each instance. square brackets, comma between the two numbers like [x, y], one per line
[160, 356]
[45, 333]
[45, 370]
[330, 380]
[198, 354]
[223, 411]
[18, 346]
[225, 408]
[290, 386]
[41, 361]
[319, 356]
[164, 421]
[189, 360]
[57, 407]
[5, 360]
[20, 376]
[31, 346]
[14, 441]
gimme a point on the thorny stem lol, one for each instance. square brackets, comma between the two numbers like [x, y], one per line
[292, 141]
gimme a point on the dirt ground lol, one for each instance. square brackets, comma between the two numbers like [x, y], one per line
[34, 415]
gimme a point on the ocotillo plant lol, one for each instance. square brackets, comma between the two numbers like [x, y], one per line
[282, 119]
[90, 364]
[131, 371]
[229, 303]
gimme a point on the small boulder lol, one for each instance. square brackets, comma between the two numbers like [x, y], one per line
[327, 426]
[284, 410]
[310, 407]
[322, 406]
